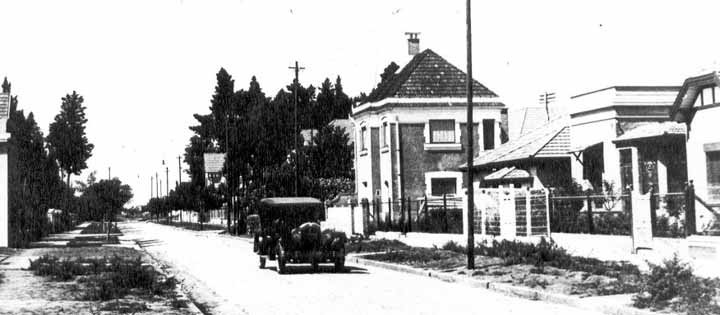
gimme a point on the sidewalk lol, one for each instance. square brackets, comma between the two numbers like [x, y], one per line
[23, 292]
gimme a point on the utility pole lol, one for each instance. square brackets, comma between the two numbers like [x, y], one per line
[179, 173]
[109, 173]
[157, 186]
[297, 69]
[470, 190]
[151, 186]
[167, 181]
[547, 98]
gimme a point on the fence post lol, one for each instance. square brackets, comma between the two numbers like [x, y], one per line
[388, 220]
[409, 217]
[403, 204]
[547, 210]
[426, 213]
[528, 213]
[366, 215]
[445, 222]
[653, 207]
[690, 227]
[352, 218]
[591, 224]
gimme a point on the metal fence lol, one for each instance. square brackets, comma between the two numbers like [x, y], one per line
[593, 214]
[667, 212]
[429, 215]
[611, 214]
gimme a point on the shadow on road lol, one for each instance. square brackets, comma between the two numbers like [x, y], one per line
[307, 269]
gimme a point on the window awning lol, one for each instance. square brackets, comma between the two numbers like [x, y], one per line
[653, 130]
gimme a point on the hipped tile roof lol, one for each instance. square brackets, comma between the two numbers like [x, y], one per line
[428, 75]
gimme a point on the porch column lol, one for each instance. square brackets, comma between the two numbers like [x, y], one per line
[635, 169]
[662, 176]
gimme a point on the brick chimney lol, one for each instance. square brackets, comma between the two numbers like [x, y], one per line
[413, 43]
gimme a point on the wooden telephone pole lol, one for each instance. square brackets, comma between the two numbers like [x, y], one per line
[470, 190]
[297, 69]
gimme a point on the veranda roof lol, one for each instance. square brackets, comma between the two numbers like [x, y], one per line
[508, 173]
[652, 130]
[549, 140]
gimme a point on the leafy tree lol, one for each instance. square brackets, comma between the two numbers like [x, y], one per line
[67, 141]
[34, 185]
[325, 110]
[105, 199]
[387, 76]
[332, 154]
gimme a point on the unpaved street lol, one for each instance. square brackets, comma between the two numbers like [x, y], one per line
[228, 267]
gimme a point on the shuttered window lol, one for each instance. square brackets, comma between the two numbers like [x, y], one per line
[442, 131]
[713, 174]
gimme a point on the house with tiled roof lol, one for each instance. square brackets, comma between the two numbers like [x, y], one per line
[410, 133]
[537, 159]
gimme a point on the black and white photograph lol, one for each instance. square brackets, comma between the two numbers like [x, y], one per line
[222, 157]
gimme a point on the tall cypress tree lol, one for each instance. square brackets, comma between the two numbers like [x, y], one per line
[67, 141]
[343, 104]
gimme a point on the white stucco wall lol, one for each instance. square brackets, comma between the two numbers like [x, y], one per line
[704, 129]
[408, 115]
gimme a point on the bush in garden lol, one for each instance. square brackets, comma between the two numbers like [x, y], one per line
[548, 253]
[672, 284]
[106, 278]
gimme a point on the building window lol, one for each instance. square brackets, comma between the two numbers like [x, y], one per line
[443, 186]
[713, 175]
[707, 96]
[384, 134]
[488, 134]
[363, 138]
[442, 131]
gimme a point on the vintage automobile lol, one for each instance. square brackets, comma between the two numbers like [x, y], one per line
[288, 230]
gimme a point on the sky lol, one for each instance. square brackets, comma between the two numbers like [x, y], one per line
[145, 67]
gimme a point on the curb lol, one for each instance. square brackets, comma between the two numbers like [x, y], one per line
[180, 290]
[507, 289]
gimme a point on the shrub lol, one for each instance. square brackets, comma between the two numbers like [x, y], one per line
[454, 247]
[372, 246]
[548, 253]
[107, 278]
[672, 284]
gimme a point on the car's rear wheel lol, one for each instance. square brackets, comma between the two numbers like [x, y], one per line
[281, 259]
[340, 264]
[262, 262]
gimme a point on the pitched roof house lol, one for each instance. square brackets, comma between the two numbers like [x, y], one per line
[410, 134]
[537, 158]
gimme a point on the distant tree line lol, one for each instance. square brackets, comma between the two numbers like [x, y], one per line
[39, 170]
[258, 134]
